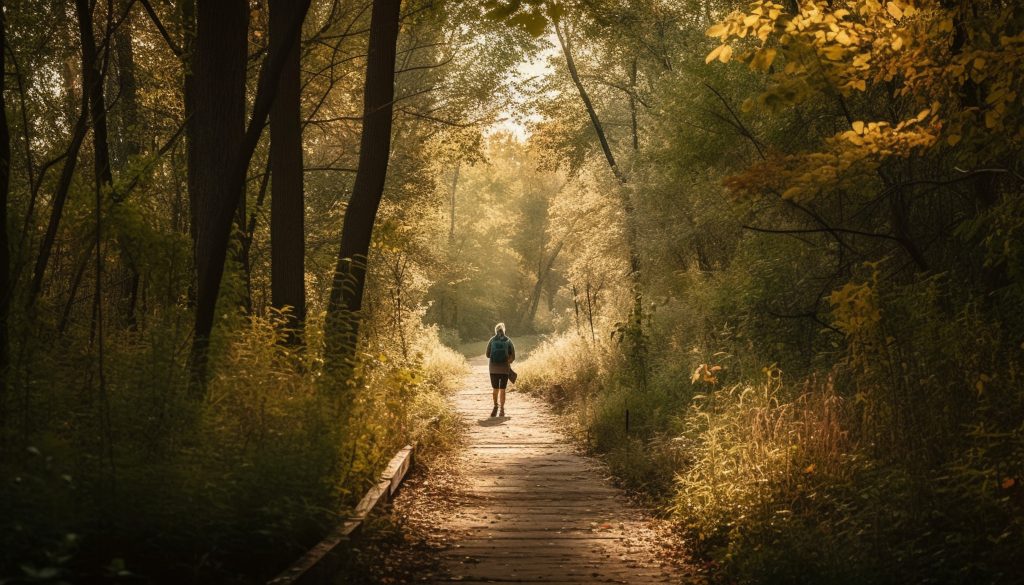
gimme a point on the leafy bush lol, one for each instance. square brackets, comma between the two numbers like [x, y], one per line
[171, 489]
[902, 463]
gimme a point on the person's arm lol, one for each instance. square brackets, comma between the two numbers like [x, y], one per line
[487, 353]
[511, 352]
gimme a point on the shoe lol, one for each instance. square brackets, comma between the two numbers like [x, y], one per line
[494, 411]
[502, 413]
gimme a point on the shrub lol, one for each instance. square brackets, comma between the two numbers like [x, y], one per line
[156, 484]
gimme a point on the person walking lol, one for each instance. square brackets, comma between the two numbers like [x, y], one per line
[500, 353]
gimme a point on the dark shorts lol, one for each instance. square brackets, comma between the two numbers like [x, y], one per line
[499, 381]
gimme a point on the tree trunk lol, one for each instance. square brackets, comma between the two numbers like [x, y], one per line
[343, 311]
[128, 100]
[898, 212]
[627, 204]
[188, 34]
[632, 238]
[218, 193]
[287, 205]
[632, 106]
[128, 148]
[576, 307]
[538, 288]
[453, 201]
[591, 301]
[5, 244]
[92, 82]
[570, 63]
[60, 197]
[215, 129]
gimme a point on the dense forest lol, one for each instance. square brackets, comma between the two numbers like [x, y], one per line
[774, 253]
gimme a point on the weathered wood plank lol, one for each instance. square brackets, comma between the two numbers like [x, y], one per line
[533, 510]
[397, 468]
[319, 564]
[374, 497]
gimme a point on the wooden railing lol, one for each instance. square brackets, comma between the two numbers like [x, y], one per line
[321, 563]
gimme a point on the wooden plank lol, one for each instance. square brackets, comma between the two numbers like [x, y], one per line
[397, 468]
[532, 509]
[320, 564]
[376, 495]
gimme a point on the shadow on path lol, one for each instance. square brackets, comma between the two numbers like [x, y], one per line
[529, 508]
[492, 421]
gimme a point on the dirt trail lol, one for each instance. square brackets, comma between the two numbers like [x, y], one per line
[530, 509]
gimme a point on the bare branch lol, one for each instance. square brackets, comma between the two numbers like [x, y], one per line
[178, 52]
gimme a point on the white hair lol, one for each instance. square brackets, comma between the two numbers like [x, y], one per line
[499, 329]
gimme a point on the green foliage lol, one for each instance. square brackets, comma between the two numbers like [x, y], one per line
[833, 303]
[823, 378]
[206, 492]
[504, 247]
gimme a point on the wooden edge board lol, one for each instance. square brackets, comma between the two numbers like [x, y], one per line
[374, 497]
[320, 563]
[399, 465]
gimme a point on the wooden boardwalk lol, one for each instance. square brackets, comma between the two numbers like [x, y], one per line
[532, 510]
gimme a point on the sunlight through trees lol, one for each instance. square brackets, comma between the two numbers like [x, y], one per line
[783, 240]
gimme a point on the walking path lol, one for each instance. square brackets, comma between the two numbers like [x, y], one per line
[532, 510]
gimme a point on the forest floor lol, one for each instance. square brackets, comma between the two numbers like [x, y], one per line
[518, 503]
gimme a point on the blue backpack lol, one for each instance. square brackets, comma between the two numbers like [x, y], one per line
[499, 350]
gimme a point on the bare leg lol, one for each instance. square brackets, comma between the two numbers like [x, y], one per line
[502, 398]
[496, 397]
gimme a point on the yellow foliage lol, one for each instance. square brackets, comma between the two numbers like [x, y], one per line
[856, 45]
[705, 373]
[855, 308]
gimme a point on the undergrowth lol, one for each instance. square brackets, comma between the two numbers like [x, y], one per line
[901, 462]
[147, 483]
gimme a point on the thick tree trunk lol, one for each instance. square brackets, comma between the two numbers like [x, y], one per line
[219, 192]
[343, 311]
[128, 100]
[92, 82]
[287, 204]
[215, 129]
